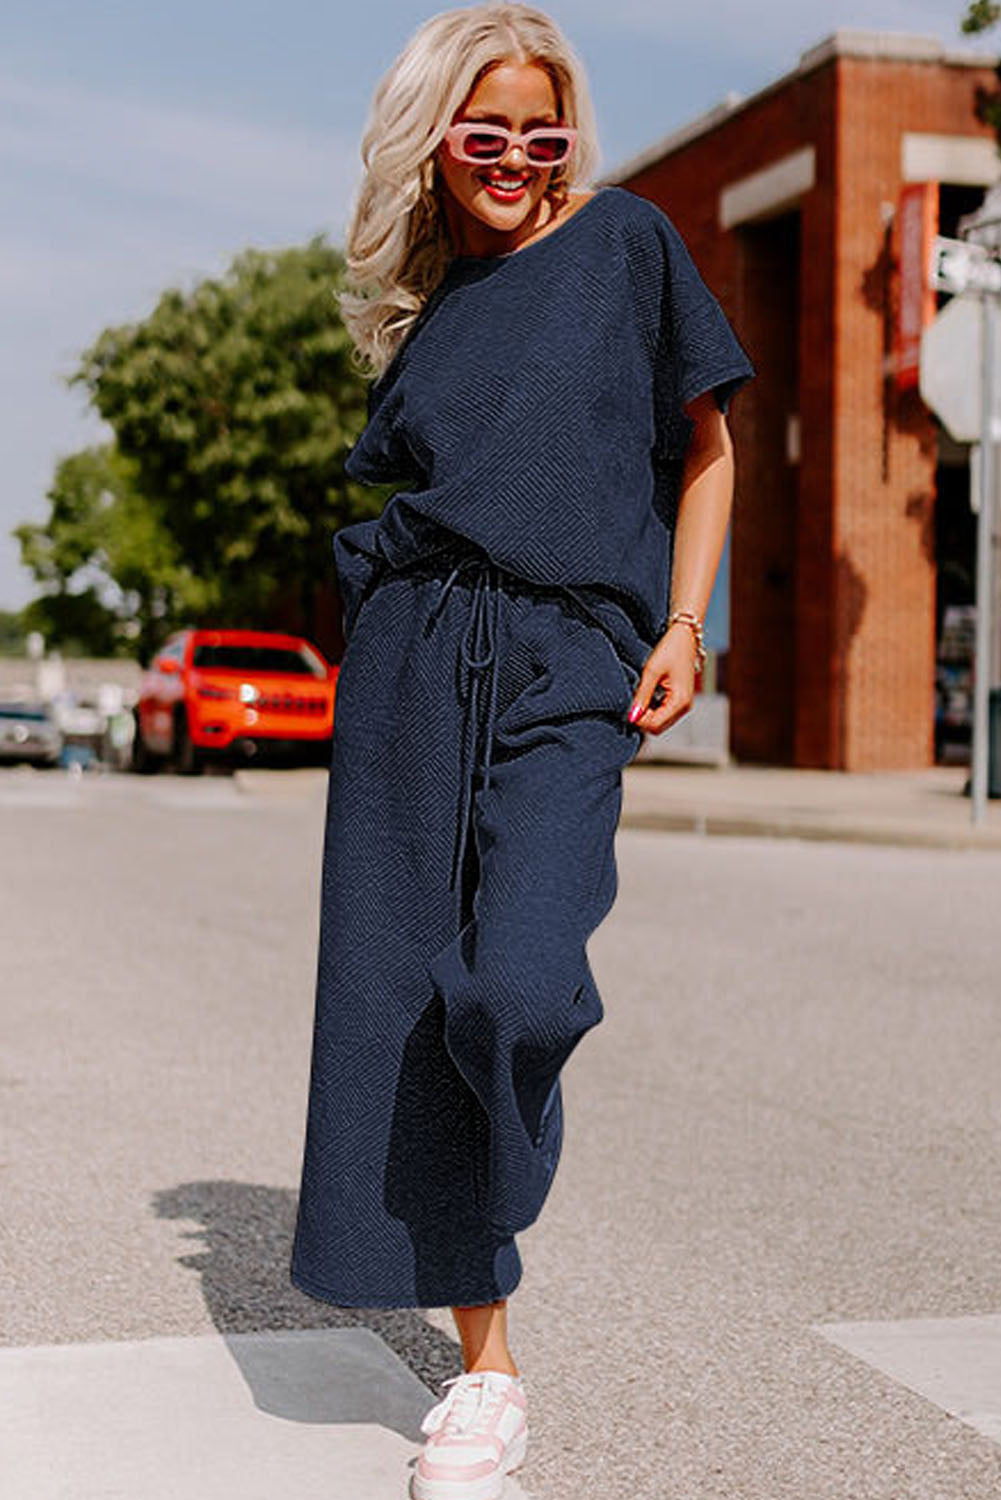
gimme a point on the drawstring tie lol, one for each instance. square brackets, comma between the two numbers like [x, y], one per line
[478, 651]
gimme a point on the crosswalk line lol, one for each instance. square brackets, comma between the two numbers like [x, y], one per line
[321, 1414]
[954, 1362]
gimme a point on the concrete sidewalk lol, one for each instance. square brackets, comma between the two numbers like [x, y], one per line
[925, 807]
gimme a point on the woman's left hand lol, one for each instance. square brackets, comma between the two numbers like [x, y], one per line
[671, 664]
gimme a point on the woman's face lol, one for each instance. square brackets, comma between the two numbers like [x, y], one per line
[520, 96]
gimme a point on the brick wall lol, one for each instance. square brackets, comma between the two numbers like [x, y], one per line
[831, 661]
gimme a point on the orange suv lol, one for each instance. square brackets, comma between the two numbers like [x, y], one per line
[225, 694]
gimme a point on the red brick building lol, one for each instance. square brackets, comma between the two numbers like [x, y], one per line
[851, 527]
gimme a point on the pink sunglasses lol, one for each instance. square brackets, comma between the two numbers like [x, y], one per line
[545, 146]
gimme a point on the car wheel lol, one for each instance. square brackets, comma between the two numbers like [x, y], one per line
[141, 760]
[187, 761]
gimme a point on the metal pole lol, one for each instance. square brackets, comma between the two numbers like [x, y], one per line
[985, 516]
[995, 573]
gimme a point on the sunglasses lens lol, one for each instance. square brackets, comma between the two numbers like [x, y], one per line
[548, 149]
[484, 145]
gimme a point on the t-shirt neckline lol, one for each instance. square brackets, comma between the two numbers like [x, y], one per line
[553, 234]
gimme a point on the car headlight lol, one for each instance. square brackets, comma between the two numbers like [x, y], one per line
[248, 693]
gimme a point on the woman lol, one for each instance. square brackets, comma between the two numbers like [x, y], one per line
[553, 375]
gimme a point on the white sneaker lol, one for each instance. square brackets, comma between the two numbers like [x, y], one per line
[478, 1433]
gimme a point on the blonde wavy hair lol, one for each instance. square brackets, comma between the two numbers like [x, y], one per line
[398, 243]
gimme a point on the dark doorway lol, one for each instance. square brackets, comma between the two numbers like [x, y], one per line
[955, 595]
[761, 676]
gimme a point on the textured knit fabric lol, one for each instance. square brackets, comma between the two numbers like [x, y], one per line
[495, 614]
[445, 1011]
[537, 408]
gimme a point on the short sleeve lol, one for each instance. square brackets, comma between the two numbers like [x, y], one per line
[699, 349]
[382, 453]
[385, 452]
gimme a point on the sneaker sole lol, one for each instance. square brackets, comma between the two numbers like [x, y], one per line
[490, 1487]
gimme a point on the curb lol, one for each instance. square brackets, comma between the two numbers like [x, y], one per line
[793, 828]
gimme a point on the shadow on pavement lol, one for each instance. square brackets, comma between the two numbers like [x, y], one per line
[246, 1234]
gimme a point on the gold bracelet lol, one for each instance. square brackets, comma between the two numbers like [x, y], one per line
[690, 618]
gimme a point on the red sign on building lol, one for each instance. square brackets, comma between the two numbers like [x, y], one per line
[917, 221]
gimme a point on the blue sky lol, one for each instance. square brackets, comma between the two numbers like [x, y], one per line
[142, 145]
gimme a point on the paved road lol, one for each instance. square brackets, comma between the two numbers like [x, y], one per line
[769, 1264]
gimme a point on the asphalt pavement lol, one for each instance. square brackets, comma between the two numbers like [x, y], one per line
[768, 1266]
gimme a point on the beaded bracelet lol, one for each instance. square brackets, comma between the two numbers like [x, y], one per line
[690, 618]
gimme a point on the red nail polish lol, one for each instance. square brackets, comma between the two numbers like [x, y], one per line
[634, 713]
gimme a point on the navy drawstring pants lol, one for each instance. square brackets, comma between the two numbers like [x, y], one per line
[475, 789]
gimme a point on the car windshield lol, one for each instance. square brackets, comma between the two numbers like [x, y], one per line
[14, 711]
[233, 658]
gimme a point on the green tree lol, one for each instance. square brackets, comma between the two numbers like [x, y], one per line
[111, 574]
[981, 15]
[12, 632]
[79, 623]
[236, 403]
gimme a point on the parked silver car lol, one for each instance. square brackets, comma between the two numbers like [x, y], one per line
[29, 733]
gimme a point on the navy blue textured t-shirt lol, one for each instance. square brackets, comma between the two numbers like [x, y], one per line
[535, 408]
